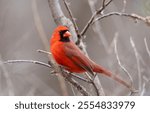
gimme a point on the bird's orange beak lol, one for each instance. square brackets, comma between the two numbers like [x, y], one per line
[67, 34]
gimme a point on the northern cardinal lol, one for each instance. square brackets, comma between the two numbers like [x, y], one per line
[67, 54]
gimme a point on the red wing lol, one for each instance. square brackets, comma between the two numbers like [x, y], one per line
[78, 58]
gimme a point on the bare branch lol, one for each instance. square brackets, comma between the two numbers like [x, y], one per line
[45, 52]
[80, 78]
[119, 62]
[27, 61]
[147, 81]
[80, 88]
[138, 64]
[103, 7]
[143, 89]
[93, 17]
[147, 48]
[97, 27]
[103, 3]
[98, 92]
[133, 16]
[79, 37]
[72, 18]
[99, 86]
[73, 90]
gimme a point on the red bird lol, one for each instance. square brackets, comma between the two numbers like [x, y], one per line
[67, 54]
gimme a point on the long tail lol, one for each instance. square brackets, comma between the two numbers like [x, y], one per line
[100, 69]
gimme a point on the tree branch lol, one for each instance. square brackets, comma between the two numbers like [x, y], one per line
[72, 18]
[119, 62]
[133, 16]
[97, 27]
[103, 3]
[93, 17]
[27, 61]
[80, 88]
[138, 64]
[79, 41]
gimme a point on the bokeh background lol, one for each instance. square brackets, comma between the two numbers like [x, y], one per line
[19, 39]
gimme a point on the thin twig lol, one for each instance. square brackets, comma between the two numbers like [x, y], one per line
[80, 78]
[80, 88]
[119, 62]
[98, 92]
[138, 64]
[103, 7]
[99, 86]
[42, 51]
[79, 37]
[96, 88]
[103, 3]
[147, 48]
[73, 90]
[133, 16]
[143, 89]
[27, 61]
[97, 27]
[72, 18]
[147, 81]
[91, 81]
[93, 17]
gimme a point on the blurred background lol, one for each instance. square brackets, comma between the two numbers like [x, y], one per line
[19, 39]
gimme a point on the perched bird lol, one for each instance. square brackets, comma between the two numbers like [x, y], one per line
[68, 55]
